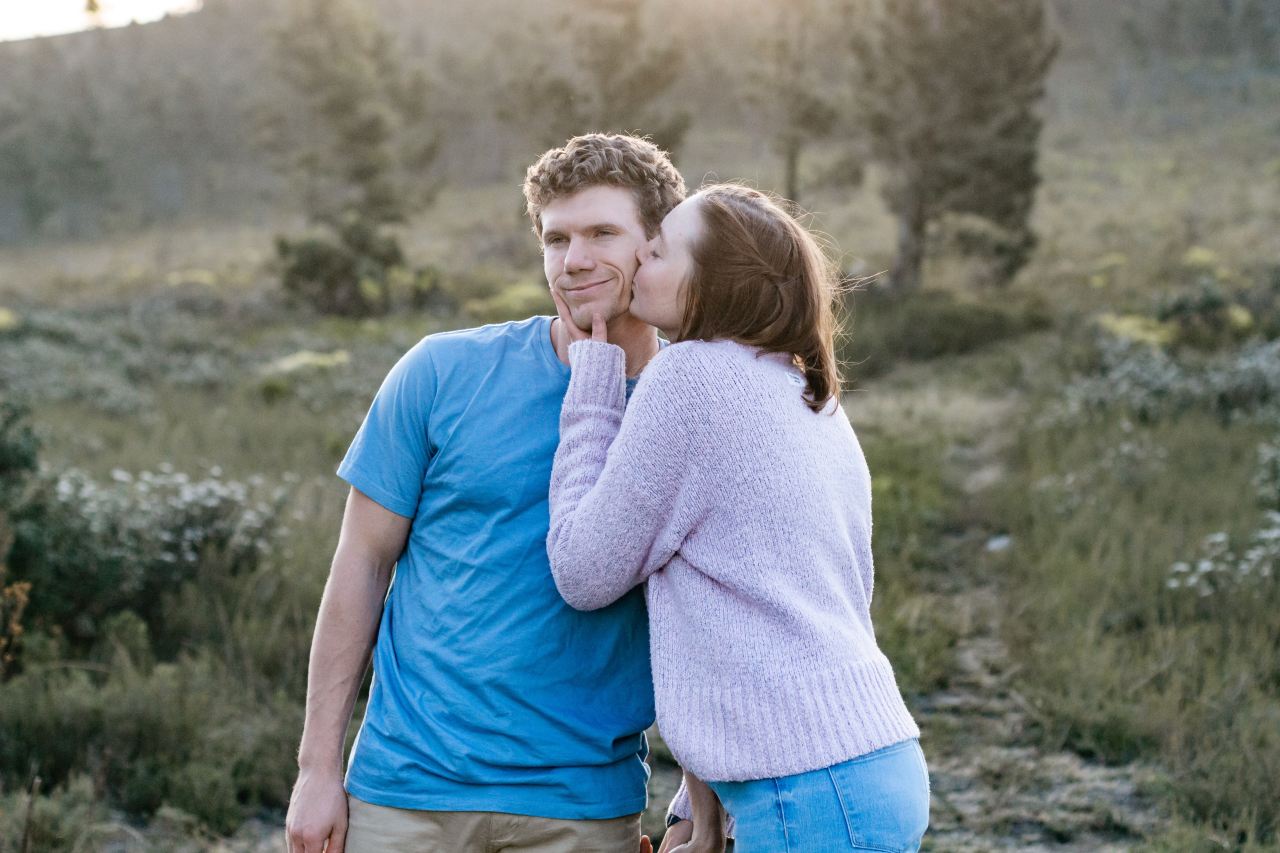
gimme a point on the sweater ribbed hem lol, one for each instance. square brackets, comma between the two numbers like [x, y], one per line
[598, 375]
[793, 722]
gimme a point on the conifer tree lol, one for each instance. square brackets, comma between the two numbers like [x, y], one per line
[365, 161]
[370, 151]
[789, 89]
[947, 92]
[597, 67]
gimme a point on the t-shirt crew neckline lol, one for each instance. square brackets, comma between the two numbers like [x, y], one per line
[549, 348]
[549, 352]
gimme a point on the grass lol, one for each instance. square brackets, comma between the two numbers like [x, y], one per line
[1118, 665]
[1115, 665]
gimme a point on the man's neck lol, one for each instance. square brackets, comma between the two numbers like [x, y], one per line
[639, 341]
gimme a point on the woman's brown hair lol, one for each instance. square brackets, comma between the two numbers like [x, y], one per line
[761, 278]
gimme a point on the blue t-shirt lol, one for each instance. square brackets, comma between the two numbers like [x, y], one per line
[489, 692]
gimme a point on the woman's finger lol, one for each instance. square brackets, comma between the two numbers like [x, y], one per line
[599, 328]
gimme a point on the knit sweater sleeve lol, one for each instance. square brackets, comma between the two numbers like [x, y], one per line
[625, 491]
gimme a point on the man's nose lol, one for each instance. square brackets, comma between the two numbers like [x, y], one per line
[578, 257]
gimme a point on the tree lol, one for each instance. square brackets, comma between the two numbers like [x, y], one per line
[947, 92]
[78, 170]
[595, 67]
[52, 159]
[371, 148]
[365, 160]
[789, 87]
[20, 173]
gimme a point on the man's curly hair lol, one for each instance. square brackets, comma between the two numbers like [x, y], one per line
[608, 159]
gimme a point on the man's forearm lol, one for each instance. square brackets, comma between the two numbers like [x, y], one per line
[346, 628]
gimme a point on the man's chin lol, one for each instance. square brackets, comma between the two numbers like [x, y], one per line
[584, 314]
[581, 318]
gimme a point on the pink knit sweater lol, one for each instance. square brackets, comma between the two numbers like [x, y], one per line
[750, 517]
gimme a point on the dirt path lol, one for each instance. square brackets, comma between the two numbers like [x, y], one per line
[993, 787]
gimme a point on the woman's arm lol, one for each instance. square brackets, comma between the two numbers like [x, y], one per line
[625, 491]
[699, 816]
[708, 816]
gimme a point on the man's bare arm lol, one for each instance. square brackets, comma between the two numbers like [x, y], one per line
[371, 541]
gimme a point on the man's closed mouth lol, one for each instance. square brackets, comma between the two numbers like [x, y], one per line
[588, 286]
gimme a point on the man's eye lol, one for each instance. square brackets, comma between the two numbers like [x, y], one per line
[554, 241]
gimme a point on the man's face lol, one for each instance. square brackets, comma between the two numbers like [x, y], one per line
[589, 245]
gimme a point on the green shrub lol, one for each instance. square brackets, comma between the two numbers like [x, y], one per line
[66, 818]
[1207, 318]
[885, 328]
[1151, 384]
[1003, 251]
[428, 291]
[186, 734]
[19, 449]
[91, 550]
[347, 273]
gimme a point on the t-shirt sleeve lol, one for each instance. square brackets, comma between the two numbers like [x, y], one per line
[389, 454]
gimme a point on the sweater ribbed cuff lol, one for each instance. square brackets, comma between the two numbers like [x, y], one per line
[598, 375]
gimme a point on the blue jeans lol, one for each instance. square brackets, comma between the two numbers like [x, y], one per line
[878, 801]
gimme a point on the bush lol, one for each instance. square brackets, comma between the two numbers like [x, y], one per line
[1206, 318]
[18, 452]
[18, 448]
[1152, 384]
[91, 550]
[185, 735]
[1002, 251]
[886, 328]
[345, 273]
[112, 359]
[64, 819]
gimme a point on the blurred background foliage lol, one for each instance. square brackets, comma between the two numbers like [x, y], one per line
[1062, 221]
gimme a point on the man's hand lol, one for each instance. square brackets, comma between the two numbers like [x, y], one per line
[317, 813]
[599, 328]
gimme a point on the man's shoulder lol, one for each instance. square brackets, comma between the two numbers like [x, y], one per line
[470, 347]
[479, 337]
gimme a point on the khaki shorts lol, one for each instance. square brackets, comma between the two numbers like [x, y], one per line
[383, 829]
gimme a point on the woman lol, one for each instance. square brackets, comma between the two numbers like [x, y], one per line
[735, 486]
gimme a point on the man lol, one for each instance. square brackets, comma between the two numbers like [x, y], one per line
[499, 718]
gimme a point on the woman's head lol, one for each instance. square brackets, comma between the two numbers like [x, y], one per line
[730, 262]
